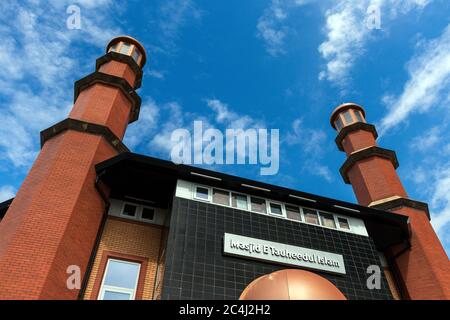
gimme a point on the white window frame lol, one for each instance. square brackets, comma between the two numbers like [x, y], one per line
[317, 214]
[141, 211]
[339, 224]
[334, 219]
[250, 205]
[104, 287]
[201, 199]
[269, 209]
[137, 212]
[240, 194]
[300, 212]
[223, 190]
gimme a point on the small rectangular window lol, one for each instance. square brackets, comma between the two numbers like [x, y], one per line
[202, 193]
[276, 209]
[258, 205]
[113, 48]
[120, 280]
[239, 201]
[343, 223]
[293, 213]
[221, 197]
[327, 220]
[358, 115]
[348, 117]
[311, 216]
[129, 210]
[339, 124]
[136, 55]
[148, 213]
[125, 48]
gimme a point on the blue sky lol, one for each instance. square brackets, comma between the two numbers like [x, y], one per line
[254, 63]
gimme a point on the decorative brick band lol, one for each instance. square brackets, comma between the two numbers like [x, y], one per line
[362, 154]
[354, 127]
[393, 204]
[83, 126]
[110, 80]
[125, 59]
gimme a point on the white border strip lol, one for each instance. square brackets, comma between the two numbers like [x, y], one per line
[253, 187]
[205, 176]
[345, 208]
[301, 198]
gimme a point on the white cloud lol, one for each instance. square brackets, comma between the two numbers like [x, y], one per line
[6, 193]
[231, 119]
[347, 33]
[271, 25]
[155, 74]
[39, 63]
[440, 203]
[346, 36]
[173, 15]
[311, 143]
[311, 140]
[142, 130]
[428, 84]
[427, 139]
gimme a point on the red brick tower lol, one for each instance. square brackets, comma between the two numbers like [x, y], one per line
[55, 217]
[422, 266]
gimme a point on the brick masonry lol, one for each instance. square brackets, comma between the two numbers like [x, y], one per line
[53, 221]
[197, 269]
[424, 268]
[55, 217]
[127, 238]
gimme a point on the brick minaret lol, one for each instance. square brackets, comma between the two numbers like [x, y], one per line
[55, 217]
[422, 266]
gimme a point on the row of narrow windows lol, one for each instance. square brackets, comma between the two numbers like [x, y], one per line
[268, 207]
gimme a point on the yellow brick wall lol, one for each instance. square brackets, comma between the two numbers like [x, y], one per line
[133, 239]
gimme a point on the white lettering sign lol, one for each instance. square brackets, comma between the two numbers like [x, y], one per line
[280, 253]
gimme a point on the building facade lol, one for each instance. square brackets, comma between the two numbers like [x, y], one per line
[94, 221]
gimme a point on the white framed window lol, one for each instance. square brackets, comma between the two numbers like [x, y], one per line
[311, 216]
[136, 54]
[293, 212]
[202, 193]
[125, 48]
[221, 197]
[343, 223]
[258, 205]
[120, 280]
[348, 117]
[147, 214]
[276, 209]
[327, 220]
[338, 123]
[239, 201]
[129, 210]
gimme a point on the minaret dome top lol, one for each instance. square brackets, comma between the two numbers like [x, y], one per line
[128, 46]
[347, 114]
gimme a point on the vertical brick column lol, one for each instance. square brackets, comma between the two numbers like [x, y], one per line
[55, 217]
[422, 268]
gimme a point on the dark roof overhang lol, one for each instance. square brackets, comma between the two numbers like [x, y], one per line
[4, 207]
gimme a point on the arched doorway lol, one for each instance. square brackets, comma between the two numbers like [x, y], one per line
[291, 284]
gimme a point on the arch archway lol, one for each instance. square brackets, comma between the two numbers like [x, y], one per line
[291, 284]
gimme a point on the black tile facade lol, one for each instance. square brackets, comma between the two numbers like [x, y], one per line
[197, 269]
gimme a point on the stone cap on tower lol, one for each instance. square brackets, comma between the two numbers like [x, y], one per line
[347, 114]
[128, 46]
